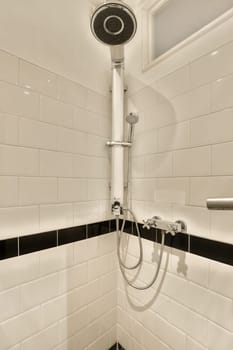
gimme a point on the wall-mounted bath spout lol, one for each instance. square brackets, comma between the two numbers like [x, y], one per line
[220, 203]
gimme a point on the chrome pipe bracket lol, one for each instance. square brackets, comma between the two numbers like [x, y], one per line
[118, 143]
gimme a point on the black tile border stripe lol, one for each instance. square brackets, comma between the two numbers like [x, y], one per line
[16, 246]
[211, 249]
[98, 228]
[204, 247]
[39, 241]
[71, 234]
[214, 250]
[8, 248]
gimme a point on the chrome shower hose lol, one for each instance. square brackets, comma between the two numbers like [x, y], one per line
[122, 265]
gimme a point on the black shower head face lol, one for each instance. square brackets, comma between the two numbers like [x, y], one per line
[113, 23]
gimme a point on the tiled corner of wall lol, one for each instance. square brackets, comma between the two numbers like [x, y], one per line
[52, 150]
[55, 173]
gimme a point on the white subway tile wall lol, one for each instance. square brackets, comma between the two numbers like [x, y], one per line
[189, 305]
[184, 141]
[58, 297]
[54, 173]
[52, 139]
[181, 156]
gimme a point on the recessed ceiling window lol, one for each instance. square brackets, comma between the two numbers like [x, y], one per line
[173, 22]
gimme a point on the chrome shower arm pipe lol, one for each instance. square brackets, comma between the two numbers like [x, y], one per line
[117, 54]
[117, 163]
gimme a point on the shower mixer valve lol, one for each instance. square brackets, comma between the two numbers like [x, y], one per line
[167, 226]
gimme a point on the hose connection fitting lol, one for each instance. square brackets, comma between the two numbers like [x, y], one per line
[116, 208]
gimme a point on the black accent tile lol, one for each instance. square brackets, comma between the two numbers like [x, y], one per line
[112, 225]
[145, 233]
[72, 234]
[218, 251]
[179, 241]
[128, 226]
[98, 229]
[36, 242]
[117, 346]
[114, 347]
[8, 248]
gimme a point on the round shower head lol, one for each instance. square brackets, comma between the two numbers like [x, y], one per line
[132, 118]
[113, 23]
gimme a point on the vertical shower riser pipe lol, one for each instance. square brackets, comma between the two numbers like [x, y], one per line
[117, 171]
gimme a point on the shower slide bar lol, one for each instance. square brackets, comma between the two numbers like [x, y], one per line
[166, 226]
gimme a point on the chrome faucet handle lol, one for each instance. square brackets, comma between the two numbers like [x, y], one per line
[146, 224]
[151, 223]
[172, 229]
[175, 227]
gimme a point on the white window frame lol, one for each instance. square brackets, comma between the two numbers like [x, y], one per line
[149, 9]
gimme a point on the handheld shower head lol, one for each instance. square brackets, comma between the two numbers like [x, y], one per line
[132, 118]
